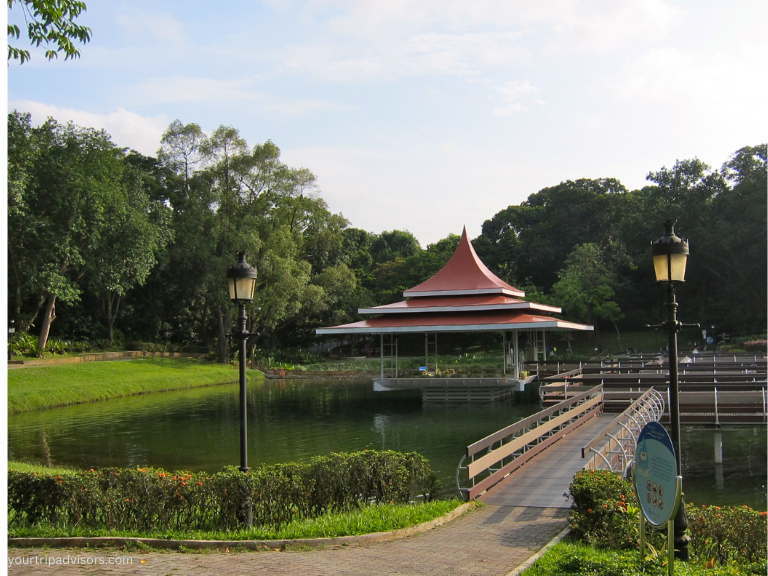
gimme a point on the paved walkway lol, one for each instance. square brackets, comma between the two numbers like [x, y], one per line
[489, 541]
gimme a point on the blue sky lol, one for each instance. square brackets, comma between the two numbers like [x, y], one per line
[424, 115]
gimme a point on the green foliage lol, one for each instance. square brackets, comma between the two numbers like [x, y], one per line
[605, 513]
[49, 22]
[728, 534]
[604, 510]
[567, 558]
[363, 520]
[152, 499]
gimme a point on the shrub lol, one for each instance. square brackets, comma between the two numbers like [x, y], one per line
[152, 499]
[756, 345]
[605, 510]
[605, 513]
[728, 533]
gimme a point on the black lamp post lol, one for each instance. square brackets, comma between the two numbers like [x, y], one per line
[11, 332]
[670, 255]
[242, 282]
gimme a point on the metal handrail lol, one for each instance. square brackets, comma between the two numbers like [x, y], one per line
[494, 453]
[648, 407]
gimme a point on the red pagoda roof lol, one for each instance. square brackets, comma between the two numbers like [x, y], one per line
[463, 296]
[456, 322]
[458, 304]
[463, 274]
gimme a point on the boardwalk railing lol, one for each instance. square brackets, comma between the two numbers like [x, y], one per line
[614, 447]
[496, 456]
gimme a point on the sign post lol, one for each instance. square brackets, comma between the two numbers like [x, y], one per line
[657, 484]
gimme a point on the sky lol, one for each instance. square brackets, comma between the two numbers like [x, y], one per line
[423, 115]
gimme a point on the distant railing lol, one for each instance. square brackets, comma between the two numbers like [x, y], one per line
[496, 456]
[614, 447]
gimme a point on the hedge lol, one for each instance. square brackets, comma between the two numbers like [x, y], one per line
[605, 513]
[153, 499]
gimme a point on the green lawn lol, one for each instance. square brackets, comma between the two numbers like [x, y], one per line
[41, 387]
[366, 520]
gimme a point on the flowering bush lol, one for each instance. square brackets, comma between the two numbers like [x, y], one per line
[728, 533]
[605, 510]
[148, 499]
[756, 345]
[605, 513]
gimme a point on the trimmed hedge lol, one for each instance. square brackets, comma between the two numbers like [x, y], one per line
[147, 499]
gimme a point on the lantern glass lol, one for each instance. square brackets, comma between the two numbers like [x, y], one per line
[241, 280]
[241, 289]
[670, 267]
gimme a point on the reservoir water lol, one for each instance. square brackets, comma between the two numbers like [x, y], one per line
[293, 420]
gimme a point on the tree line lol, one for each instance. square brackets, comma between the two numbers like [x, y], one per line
[115, 245]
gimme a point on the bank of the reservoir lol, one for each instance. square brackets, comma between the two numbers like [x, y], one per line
[40, 387]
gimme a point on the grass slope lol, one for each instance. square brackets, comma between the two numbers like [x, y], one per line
[35, 388]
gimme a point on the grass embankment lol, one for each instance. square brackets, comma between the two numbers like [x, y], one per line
[366, 520]
[35, 388]
[567, 557]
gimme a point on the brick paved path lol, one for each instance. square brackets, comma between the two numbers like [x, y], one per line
[488, 541]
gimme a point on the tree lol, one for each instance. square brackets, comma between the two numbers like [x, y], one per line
[50, 23]
[126, 250]
[584, 289]
[69, 185]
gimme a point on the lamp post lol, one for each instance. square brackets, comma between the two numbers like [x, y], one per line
[11, 332]
[670, 255]
[242, 282]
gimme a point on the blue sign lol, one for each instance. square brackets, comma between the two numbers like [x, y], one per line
[656, 474]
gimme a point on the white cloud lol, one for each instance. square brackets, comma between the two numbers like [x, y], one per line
[511, 92]
[417, 55]
[184, 89]
[127, 129]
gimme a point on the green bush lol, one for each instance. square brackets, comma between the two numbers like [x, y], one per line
[147, 499]
[605, 513]
[727, 534]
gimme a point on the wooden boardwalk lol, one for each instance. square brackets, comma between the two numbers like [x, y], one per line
[542, 482]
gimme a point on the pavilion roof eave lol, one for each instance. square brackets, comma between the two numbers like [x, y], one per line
[467, 292]
[415, 309]
[536, 325]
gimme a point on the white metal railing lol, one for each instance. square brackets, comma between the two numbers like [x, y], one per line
[614, 447]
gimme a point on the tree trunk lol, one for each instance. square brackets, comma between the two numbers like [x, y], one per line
[111, 304]
[48, 316]
[225, 319]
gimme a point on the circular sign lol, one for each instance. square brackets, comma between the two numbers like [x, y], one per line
[656, 474]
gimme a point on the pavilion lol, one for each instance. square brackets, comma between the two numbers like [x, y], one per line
[464, 296]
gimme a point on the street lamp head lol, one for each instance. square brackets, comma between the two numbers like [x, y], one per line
[242, 280]
[670, 254]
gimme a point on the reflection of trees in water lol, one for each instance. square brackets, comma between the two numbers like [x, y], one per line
[44, 448]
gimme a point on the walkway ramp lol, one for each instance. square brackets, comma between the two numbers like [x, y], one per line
[544, 482]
